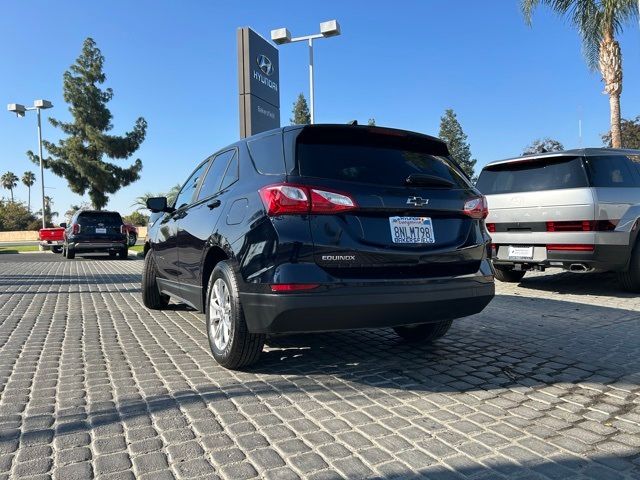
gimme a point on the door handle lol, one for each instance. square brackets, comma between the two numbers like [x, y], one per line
[213, 204]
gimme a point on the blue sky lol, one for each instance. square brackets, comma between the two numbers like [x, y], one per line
[402, 62]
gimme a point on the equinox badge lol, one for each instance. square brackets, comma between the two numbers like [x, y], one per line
[417, 201]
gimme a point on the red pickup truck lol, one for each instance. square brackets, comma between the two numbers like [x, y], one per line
[51, 238]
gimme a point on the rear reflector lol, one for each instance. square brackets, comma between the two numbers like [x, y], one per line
[476, 208]
[571, 247]
[289, 199]
[582, 226]
[292, 287]
[491, 227]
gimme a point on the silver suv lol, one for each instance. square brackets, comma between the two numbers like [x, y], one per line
[578, 210]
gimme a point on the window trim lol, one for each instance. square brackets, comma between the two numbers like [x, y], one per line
[212, 159]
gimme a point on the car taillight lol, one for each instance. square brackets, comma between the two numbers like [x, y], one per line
[75, 229]
[571, 247]
[123, 229]
[570, 226]
[292, 287]
[476, 207]
[289, 199]
[491, 227]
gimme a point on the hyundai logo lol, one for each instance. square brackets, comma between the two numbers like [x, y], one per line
[265, 64]
[417, 201]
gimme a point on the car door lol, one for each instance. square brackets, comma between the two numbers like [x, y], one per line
[166, 246]
[198, 222]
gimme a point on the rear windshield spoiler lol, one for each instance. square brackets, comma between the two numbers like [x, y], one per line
[372, 136]
[524, 163]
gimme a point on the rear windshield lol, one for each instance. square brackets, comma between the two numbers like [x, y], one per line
[90, 219]
[370, 157]
[534, 175]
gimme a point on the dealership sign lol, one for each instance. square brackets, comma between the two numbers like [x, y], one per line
[259, 83]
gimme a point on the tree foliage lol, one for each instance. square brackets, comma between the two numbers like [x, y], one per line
[598, 22]
[460, 150]
[15, 216]
[543, 145]
[630, 129]
[136, 218]
[371, 122]
[80, 157]
[9, 181]
[301, 114]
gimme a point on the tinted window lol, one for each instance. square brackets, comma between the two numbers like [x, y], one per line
[373, 158]
[267, 154]
[185, 197]
[231, 176]
[94, 218]
[212, 181]
[533, 175]
[611, 171]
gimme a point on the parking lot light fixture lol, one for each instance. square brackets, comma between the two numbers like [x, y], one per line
[20, 111]
[328, 29]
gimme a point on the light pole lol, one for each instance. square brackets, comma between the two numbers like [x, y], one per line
[20, 111]
[330, 28]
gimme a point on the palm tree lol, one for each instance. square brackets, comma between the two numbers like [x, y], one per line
[141, 201]
[598, 22]
[9, 181]
[28, 179]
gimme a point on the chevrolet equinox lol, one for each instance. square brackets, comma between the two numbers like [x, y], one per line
[318, 228]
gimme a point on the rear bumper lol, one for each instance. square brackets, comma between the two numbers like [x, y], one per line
[98, 246]
[368, 306]
[602, 257]
[51, 243]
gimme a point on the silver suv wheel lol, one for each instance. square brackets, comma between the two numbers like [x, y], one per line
[220, 308]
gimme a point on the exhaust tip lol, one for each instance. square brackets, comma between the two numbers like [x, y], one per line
[578, 267]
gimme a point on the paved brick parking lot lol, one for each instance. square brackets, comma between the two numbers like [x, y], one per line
[544, 384]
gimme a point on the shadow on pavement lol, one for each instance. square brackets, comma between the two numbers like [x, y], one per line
[600, 284]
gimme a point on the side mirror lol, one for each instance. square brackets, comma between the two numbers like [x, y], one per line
[157, 204]
[63, 225]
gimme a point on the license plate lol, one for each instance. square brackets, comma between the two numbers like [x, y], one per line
[520, 253]
[411, 230]
[101, 230]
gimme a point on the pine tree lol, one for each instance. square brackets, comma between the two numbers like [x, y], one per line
[371, 122]
[28, 179]
[301, 115]
[79, 157]
[452, 133]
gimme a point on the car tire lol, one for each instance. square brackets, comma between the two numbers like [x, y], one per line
[424, 333]
[133, 238]
[151, 296]
[113, 254]
[56, 249]
[124, 253]
[232, 345]
[509, 276]
[630, 279]
[70, 253]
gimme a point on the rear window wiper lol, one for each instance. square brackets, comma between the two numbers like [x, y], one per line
[423, 179]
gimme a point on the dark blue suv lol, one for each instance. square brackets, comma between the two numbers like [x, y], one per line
[322, 227]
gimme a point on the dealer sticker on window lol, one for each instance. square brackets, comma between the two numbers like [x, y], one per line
[411, 230]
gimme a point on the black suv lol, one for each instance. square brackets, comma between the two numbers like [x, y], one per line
[95, 231]
[321, 227]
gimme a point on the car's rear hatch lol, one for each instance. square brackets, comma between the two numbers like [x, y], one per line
[525, 195]
[100, 226]
[397, 229]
